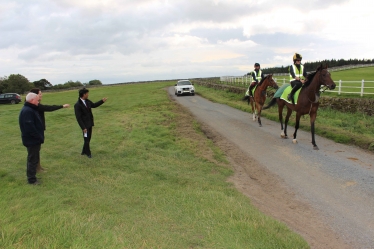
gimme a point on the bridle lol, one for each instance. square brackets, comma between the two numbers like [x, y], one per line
[263, 90]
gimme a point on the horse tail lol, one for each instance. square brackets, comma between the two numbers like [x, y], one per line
[271, 103]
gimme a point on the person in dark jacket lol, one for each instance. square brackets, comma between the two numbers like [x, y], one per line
[32, 133]
[42, 109]
[84, 116]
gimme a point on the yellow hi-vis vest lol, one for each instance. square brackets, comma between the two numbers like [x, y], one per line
[297, 72]
[257, 76]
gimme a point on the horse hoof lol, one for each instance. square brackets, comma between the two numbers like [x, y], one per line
[315, 147]
[294, 141]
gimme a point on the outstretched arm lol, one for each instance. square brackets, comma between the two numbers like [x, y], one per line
[51, 108]
[99, 103]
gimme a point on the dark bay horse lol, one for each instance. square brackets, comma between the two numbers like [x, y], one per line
[307, 102]
[259, 96]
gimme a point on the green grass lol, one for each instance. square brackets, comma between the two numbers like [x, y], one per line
[148, 185]
[346, 128]
[357, 74]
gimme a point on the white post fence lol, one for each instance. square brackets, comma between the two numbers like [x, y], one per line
[237, 80]
[362, 88]
[353, 87]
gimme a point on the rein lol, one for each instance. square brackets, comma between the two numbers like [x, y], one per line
[317, 93]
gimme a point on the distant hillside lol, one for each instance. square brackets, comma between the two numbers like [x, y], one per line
[312, 66]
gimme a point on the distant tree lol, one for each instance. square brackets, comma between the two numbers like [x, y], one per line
[312, 66]
[71, 83]
[3, 83]
[42, 84]
[16, 83]
[94, 82]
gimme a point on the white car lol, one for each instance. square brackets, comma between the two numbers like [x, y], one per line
[184, 87]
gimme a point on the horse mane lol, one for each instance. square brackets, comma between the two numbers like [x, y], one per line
[263, 79]
[309, 77]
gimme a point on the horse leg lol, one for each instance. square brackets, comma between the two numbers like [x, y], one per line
[259, 107]
[253, 109]
[313, 117]
[280, 114]
[289, 112]
[298, 116]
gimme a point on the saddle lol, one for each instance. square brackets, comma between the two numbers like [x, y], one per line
[253, 91]
[283, 92]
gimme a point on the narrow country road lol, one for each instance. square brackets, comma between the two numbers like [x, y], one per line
[327, 196]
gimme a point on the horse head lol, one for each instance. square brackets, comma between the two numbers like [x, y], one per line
[272, 82]
[325, 77]
[268, 81]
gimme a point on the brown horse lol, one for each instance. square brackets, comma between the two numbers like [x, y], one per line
[307, 102]
[259, 96]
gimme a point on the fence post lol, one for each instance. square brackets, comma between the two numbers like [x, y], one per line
[340, 87]
[362, 88]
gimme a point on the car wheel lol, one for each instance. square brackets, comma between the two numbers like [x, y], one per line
[12, 101]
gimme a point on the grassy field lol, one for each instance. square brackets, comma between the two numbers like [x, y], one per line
[155, 181]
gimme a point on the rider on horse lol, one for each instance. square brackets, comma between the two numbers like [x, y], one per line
[297, 75]
[256, 75]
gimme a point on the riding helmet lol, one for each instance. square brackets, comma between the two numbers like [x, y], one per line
[257, 64]
[297, 56]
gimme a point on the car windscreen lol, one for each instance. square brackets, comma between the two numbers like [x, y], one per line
[183, 83]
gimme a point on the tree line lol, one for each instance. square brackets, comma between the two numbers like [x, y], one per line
[17, 83]
[312, 66]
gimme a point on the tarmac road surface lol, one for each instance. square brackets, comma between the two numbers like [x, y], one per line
[337, 180]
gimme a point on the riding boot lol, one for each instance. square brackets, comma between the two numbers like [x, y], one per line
[250, 91]
[290, 96]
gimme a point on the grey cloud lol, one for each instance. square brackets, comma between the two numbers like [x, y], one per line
[214, 35]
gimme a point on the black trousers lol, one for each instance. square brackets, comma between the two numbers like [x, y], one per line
[296, 84]
[33, 158]
[253, 84]
[86, 146]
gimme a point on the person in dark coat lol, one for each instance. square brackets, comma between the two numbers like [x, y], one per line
[32, 133]
[85, 119]
[42, 109]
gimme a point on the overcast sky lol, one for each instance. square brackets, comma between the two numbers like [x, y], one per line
[122, 41]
